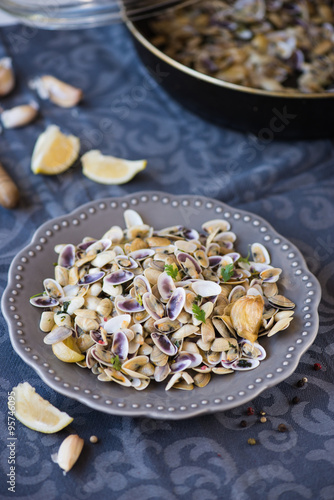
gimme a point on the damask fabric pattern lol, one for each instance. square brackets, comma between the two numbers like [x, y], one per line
[125, 113]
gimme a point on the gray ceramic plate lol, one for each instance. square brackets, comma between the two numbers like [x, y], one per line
[35, 262]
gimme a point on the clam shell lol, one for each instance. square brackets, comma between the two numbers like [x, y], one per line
[131, 366]
[271, 275]
[176, 303]
[47, 321]
[202, 258]
[206, 288]
[202, 379]
[245, 364]
[57, 335]
[67, 256]
[212, 225]
[102, 356]
[165, 285]
[118, 277]
[166, 325]
[114, 234]
[186, 360]
[130, 306]
[260, 253]
[250, 350]
[153, 306]
[281, 302]
[190, 234]
[117, 377]
[53, 289]
[117, 323]
[120, 345]
[184, 331]
[164, 344]
[141, 285]
[189, 265]
[43, 301]
[98, 337]
[89, 279]
[185, 246]
[141, 254]
[161, 372]
[132, 218]
[104, 258]
[126, 262]
[140, 384]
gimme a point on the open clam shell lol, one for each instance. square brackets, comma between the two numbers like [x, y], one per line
[43, 301]
[153, 306]
[245, 364]
[164, 344]
[67, 256]
[89, 279]
[166, 286]
[189, 265]
[130, 306]
[120, 345]
[252, 350]
[176, 303]
[117, 323]
[57, 335]
[118, 277]
[206, 288]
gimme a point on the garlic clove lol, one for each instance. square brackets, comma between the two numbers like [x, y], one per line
[246, 316]
[19, 115]
[57, 91]
[7, 79]
[69, 452]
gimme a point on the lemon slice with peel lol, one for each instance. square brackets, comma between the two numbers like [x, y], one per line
[36, 413]
[67, 351]
[54, 152]
[109, 169]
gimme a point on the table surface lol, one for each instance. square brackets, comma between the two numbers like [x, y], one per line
[291, 184]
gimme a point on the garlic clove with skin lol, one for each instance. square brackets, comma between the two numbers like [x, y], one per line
[7, 78]
[246, 316]
[69, 452]
[57, 91]
[19, 116]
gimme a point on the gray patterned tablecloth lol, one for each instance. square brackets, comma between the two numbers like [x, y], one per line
[291, 184]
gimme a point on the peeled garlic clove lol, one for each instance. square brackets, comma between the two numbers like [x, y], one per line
[19, 115]
[69, 452]
[7, 79]
[246, 316]
[60, 93]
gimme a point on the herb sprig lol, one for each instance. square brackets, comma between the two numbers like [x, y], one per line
[198, 313]
[171, 270]
[227, 272]
[116, 362]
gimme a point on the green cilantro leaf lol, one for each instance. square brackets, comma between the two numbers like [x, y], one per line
[227, 272]
[116, 362]
[171, 270]
[198, 313]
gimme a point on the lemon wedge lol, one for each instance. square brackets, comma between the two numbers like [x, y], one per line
[67, 351]
[109, 169]
[54, 152]
[36, 413]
